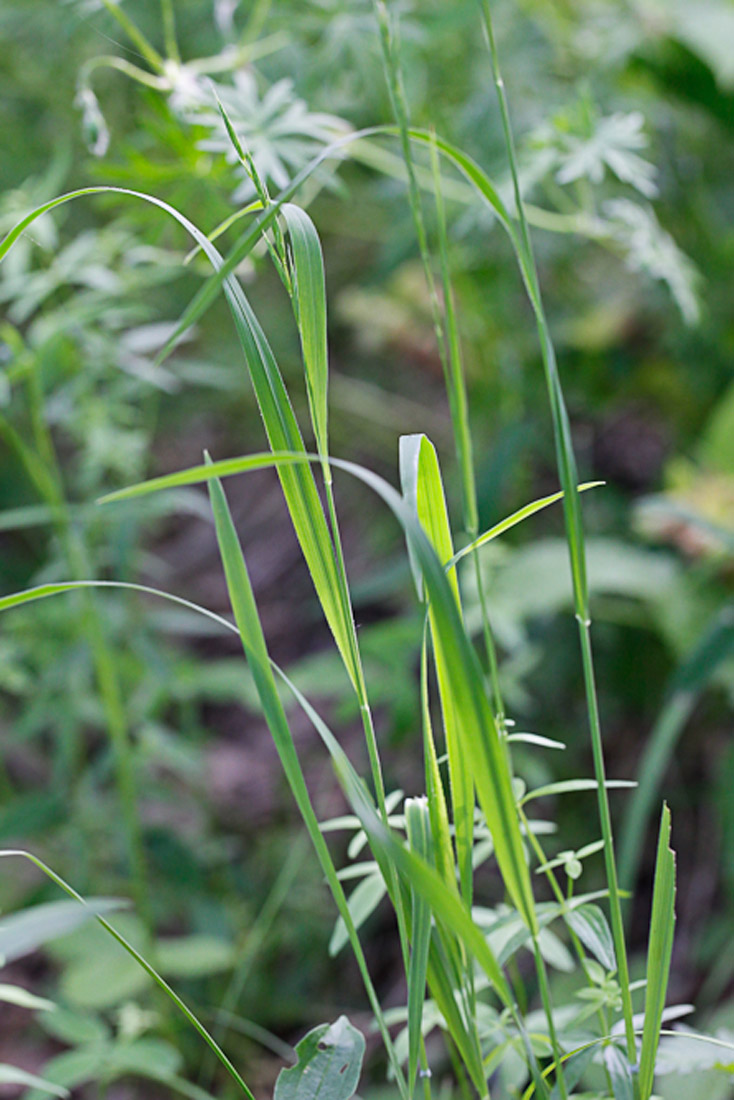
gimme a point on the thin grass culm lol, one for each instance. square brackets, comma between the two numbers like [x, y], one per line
[514, 981]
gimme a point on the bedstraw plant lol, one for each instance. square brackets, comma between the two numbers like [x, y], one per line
[506, 1031]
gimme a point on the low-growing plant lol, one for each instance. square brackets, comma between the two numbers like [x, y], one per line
[484, 910]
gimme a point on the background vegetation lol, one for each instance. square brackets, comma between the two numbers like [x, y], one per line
[624, 114]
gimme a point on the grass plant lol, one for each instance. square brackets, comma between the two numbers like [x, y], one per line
[505, 1031]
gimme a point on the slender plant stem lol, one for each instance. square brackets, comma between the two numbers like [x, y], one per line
[169, 30]
[567, 470]
[136, 36]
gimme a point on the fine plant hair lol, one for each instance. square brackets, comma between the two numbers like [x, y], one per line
[460, 962]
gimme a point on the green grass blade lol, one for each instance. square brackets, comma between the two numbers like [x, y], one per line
[566, 462]
[310, 291]
[144, 964]
[662, 923]
[418, 831]
[443, 851]
[422, 486]
[485, 753]
[455, 380]
[517, 517]
[299, 487]
[253, 643]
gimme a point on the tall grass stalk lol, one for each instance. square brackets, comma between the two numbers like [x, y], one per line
[574, 532]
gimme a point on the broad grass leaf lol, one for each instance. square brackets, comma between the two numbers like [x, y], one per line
[254, 645]
[329, 1064]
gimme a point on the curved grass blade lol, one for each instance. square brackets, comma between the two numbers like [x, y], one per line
[142, 962]
[254, 645]
[517, 517]
[485, 754]
[662, 923]
[299, 487]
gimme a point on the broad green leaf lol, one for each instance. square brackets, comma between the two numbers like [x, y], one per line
[76, 1028]
[662, 923]
[74, 1068]
[146, 1057]
[441, 834]
[193, 956]
[329, 1064]
[591, 927]
[102, 981]
[310, 289]
[24, 932]
[363, 901]
[620, 1071]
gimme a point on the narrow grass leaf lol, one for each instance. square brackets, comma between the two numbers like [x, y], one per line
[517, 517]
[253, 643]
[485, 754]
[455, 380]
[310, 290]
[141, 961]
[572, 786]
[418, 830]
[662, 923]
[299, 487]
[420, 477]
